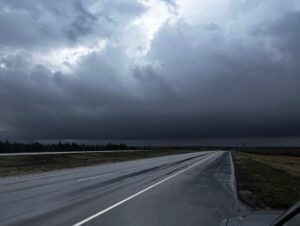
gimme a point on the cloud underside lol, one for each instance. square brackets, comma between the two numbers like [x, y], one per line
[113, 70]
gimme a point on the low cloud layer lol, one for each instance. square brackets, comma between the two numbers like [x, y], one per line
[136, 69]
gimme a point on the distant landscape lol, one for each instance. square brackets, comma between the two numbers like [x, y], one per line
[19, 147]
[262, 173]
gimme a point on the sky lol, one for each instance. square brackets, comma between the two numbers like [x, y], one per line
[149, 69]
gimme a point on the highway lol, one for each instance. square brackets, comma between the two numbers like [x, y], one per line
[186, 189]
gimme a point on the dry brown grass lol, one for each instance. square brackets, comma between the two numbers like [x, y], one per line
[289, 164]
[267, 181]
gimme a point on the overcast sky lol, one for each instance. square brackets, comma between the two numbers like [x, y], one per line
[156, 69]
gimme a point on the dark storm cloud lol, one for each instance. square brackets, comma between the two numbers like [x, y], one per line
[206, 79]
[83, 23]
[46, 24]
[285, 33]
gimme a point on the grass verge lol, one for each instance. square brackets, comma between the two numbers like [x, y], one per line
[25, 164]
[267, 181]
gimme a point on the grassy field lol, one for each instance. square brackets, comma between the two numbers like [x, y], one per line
[289, 164]
[16, 165]
[267, 181]
[286, 151]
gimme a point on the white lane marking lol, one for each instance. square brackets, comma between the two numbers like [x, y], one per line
[89, 178]
[140, 192]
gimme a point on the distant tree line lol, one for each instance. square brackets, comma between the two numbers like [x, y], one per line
[14, 147]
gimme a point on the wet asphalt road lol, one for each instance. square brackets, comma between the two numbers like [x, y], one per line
[188, 189]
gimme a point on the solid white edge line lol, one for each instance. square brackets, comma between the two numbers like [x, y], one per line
[89, 178]
[232, 176]
[140, 192]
